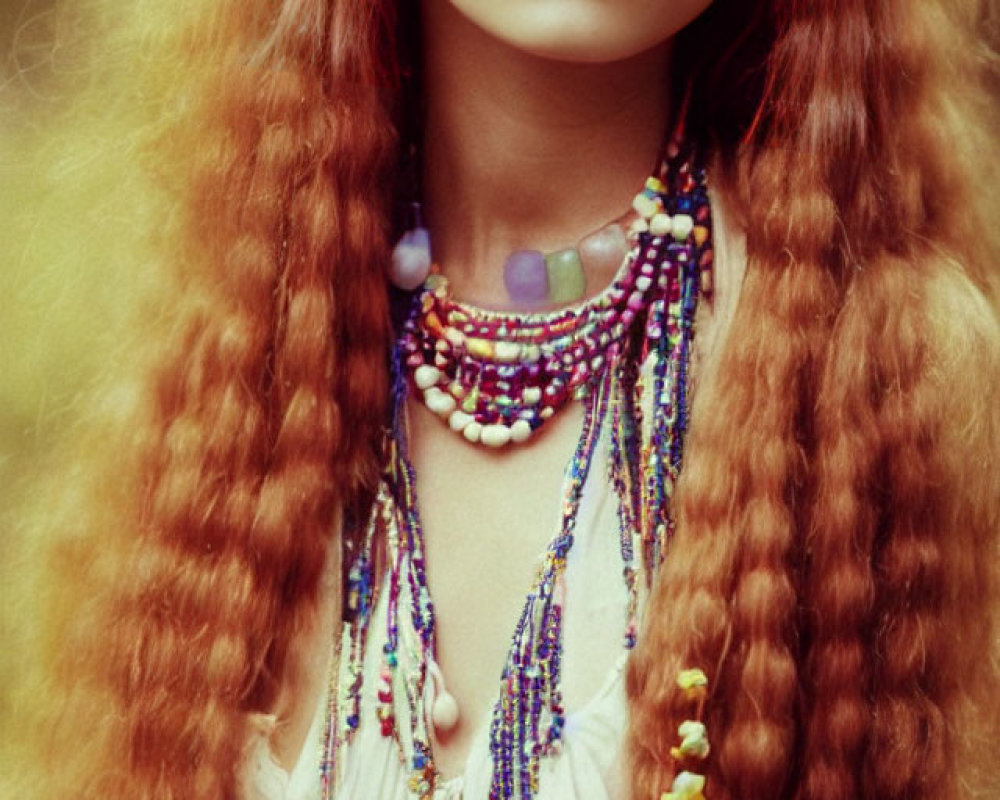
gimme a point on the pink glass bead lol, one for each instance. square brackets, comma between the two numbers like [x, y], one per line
[602, 252]
[411, 259]
[525, 277]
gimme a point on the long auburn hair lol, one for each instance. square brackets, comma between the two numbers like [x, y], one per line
[833, 568]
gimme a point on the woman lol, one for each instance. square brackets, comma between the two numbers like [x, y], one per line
[822, 618]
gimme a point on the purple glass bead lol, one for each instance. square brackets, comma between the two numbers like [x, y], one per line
[411, 259]
[525, 277]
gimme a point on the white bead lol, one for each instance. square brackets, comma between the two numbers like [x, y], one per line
[441, 403]
[520, 431]
[643, 282]
[458, 420]
[639, 226]
[444, 712]
[644, 206]
[507, 351]
[426, 376]
[532, 395]
[495, 435]
[472, 432]
[682, 227]
[532, 353]
[454, 336]
[660, 225]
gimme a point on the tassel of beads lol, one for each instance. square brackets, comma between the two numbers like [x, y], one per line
[694, 745]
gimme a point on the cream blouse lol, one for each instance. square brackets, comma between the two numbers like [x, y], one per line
[588, 764]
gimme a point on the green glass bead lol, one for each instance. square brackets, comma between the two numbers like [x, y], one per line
[566, 278]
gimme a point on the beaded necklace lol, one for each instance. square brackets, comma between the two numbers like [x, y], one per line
[639, 393]
[495, 377]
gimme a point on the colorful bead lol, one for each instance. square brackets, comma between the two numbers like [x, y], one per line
[411, 259]
[681, 226]
[694, 741]
[472, 432]
[426, 376]
[525, 277]
[441, 403]
[686, 786]
[520, 431]
[567, 282]
[694, 683]
[660, 225]
[496, 435]
[601, 253]
[645, 206]
[444, 712]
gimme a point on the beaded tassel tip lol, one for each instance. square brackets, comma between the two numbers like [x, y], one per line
[411, 257]
[694, 746]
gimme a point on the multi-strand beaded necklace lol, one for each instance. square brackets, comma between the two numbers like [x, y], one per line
[624, 355]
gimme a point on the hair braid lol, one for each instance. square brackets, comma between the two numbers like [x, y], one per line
[183, 648]
[918, 647]
[255, 433]
[729, 573]
[820, 581]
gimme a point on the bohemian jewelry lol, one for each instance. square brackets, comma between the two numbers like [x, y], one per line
[532, 278]
[694, 746]
[626, 360]
[497, 377]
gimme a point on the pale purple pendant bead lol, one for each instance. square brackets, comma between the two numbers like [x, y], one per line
[411, 259]
[525, 277]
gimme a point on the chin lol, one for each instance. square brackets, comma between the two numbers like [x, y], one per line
[582, 31]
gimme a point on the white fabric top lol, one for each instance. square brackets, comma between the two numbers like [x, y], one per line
[593, 627]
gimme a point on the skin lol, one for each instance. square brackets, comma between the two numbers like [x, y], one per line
[581, 31]
[544, 117]
[512, 136]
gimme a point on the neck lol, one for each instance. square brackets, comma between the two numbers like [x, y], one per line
[526, 152]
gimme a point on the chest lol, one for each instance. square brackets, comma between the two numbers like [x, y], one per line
[488, 518]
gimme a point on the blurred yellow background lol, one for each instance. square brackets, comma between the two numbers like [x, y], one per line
[59, 299]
